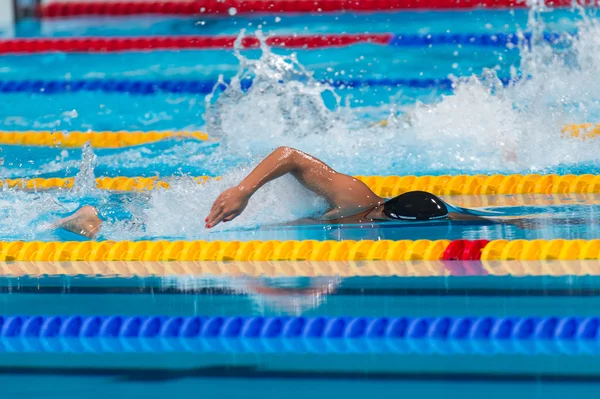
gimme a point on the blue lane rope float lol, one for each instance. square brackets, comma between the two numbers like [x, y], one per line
[401, 335]
[150, 87]
[485, 39]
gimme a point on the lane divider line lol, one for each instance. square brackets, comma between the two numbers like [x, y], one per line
[453, 266]
[153, 43]
[443, 335]
[309, 250]
[106, 139]
[385, 186]
[197, 42]
[61, 9]
[152, 87]
[119, 139]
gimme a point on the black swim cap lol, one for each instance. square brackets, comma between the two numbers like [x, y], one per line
[415, 205]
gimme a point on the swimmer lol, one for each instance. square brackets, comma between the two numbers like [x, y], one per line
[350, 200]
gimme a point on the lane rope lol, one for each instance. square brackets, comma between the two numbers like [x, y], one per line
[107, 139]
[242, 7]
[444, 335]
[221, 250]
[119, 139]
[152, 43]
[151, 87]
[309, 250]
[302, 268]
[384, 186]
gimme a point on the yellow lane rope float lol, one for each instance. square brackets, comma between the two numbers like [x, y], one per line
[221, 250]
[301, 268]
[229, 269]
[110, 139]
[103, 183]
[582, 131]
[484, 201]
[541, 250]
[309, 250]
[385, 186]
[96, 139]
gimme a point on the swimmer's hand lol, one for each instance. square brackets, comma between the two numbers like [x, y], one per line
[229, 205]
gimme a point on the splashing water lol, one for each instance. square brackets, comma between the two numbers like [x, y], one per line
[181, 210]
[21, 212]
[285, 102]
[286, 106]
[481, 127]
[484, 126]
[85, 181]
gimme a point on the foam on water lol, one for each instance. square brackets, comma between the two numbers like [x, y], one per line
[21, 214]
[180, 211]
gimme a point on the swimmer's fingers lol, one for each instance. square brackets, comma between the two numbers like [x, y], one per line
[227, 206]
[216, 210]
[226, 217]
[215, 215]
[231, 217]
[223, 217]
[215, 219]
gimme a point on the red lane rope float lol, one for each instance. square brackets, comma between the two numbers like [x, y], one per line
[114, 44]
[464, 250]
[241, 7]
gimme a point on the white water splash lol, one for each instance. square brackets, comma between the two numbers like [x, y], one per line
[482, 126]
[485, 126]
[85, 180]
[284, 103]
[181, 210]
[31, 215]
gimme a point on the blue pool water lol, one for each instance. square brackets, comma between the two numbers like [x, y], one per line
[410, 22]
[478, 127]
[156, 375]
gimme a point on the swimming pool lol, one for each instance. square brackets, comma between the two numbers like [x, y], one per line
[159, 305]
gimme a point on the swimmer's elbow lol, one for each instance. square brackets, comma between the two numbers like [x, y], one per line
[296, 161]
[289, 156]
[286, 152]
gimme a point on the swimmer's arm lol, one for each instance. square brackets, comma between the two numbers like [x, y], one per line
[338, 189]
[465, 217]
